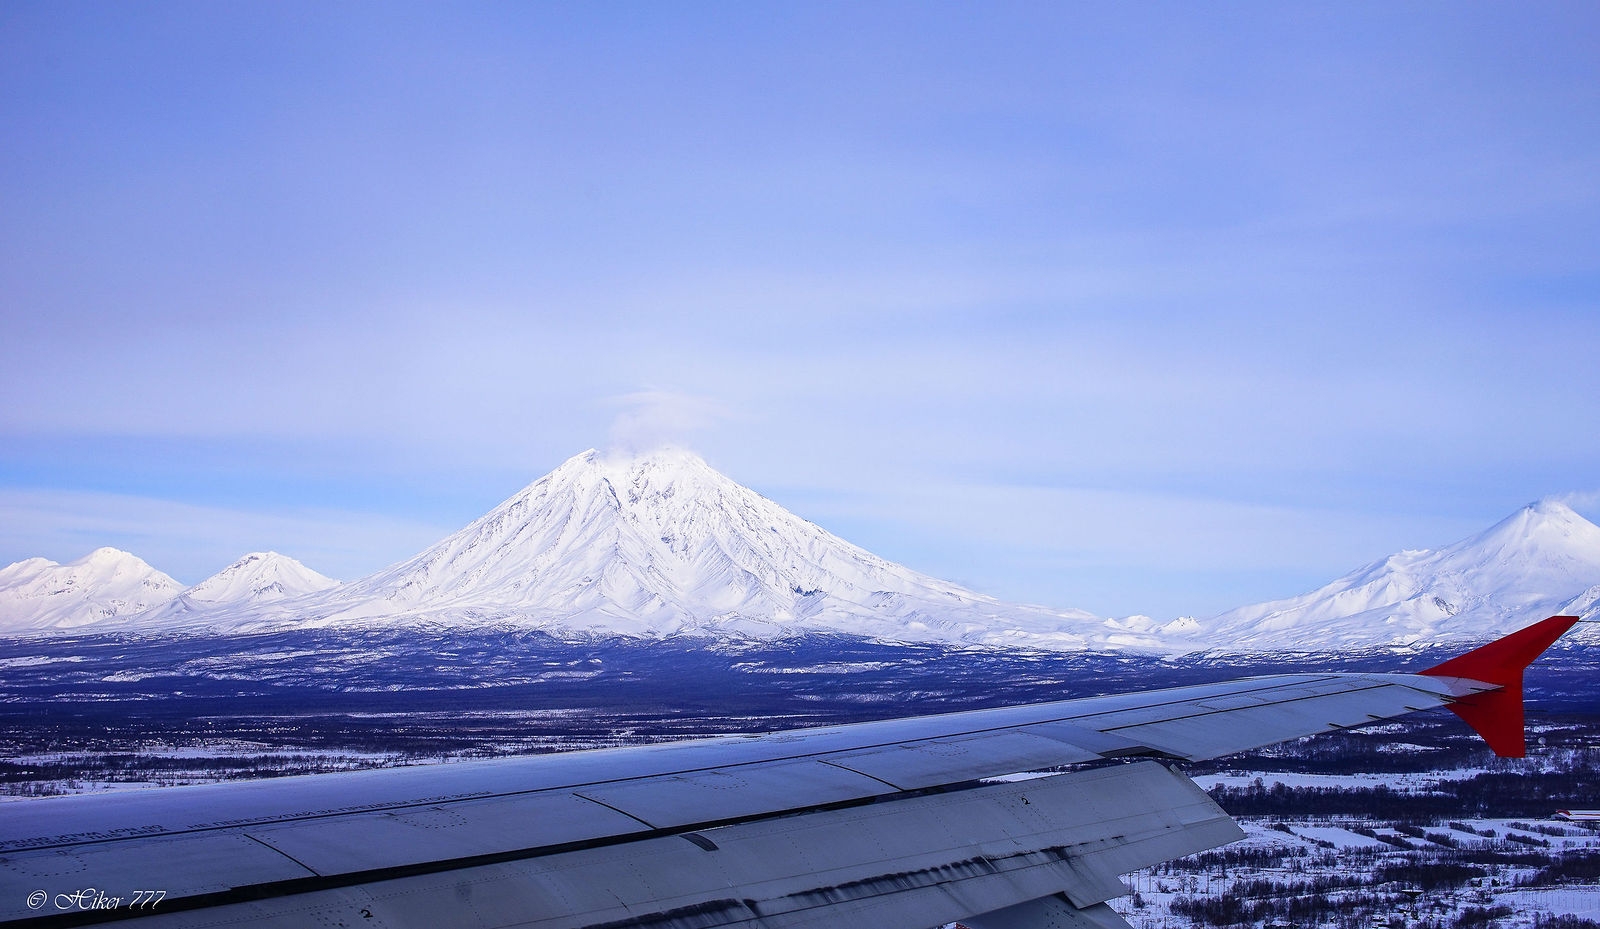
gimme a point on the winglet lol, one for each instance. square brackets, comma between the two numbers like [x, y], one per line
[1497, 714]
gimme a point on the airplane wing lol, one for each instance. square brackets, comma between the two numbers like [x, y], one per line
[893, 824]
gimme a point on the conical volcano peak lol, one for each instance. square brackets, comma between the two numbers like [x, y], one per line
[621, 460]
[653, 471]
[1553, 508]
[1544, 525]
[1558, 515]
[110, 559]
[660, 543]
[667, 493]
[631, 475]
[259, 576]
[660, 476]
[1547, 510]
[657, 457]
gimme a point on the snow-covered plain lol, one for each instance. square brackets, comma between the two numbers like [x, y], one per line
[1364, 880]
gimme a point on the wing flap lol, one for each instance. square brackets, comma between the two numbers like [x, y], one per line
[1048, 913]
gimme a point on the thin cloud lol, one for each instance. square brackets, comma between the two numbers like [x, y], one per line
[1581, 500]
[654, 418]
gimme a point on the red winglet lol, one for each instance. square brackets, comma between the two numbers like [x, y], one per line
[1497, 714]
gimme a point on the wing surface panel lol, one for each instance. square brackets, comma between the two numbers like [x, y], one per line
[934, 762]
[1213, 733]
[735, 792]
[469, 829]
[184, 866]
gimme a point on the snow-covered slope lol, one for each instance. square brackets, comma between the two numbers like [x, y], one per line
[38, 594]
[662, 544]
[1585, 605]
[1536, 563]
[259, 577]
[256, 579]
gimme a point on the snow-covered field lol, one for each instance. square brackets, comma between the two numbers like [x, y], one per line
[1311, 873]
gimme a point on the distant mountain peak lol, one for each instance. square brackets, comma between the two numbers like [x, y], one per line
[259, 577]
[38, 594]
[1523, 568]
[1542, 513]
[1553, 506]
[108, 557]
[637, 477]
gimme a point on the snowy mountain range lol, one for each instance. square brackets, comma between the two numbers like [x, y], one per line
[1540, 561]
[257, 579]
[38, 594]
[655, 545]
[662, 545]
[109, 588]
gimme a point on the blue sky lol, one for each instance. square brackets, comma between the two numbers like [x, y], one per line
[1154, 308]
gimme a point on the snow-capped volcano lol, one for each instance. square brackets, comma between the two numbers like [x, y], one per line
[1535, 563]
[258, 578]
[641, 536]
[39, 594]
[661, 544]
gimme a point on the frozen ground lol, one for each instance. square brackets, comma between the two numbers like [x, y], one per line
[1440, 837]
[1307, 873]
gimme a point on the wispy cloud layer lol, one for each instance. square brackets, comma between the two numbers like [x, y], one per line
[652, 418]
